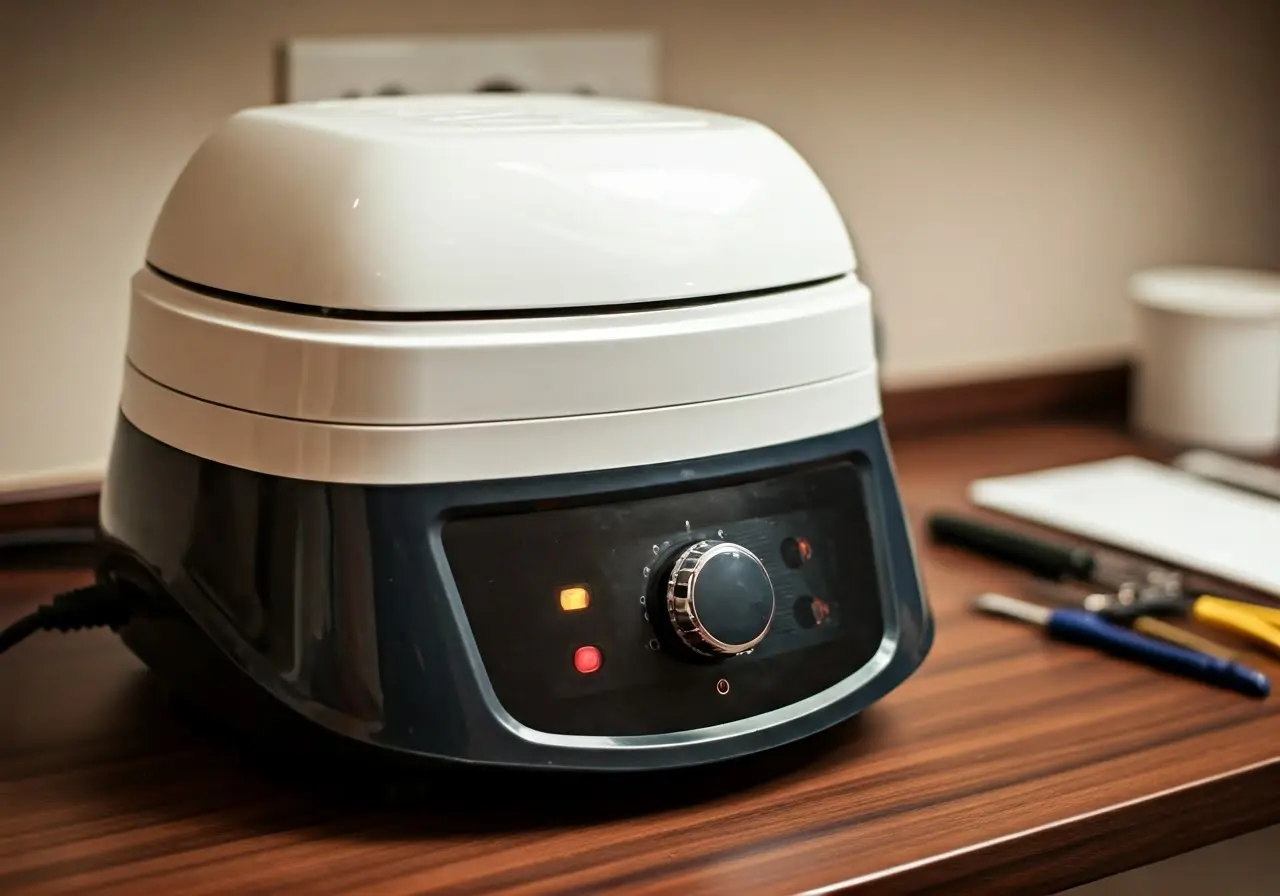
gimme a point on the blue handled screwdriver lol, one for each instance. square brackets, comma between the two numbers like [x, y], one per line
[1090, 630]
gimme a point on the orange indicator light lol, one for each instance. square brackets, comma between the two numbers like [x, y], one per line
[575, 598]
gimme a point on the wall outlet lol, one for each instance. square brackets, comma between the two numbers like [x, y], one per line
[606, 64]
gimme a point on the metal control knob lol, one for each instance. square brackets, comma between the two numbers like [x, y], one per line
[719, 598]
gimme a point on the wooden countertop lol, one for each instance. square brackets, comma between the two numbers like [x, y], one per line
[1007, 765]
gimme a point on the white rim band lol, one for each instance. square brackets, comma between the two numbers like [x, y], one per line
[421, 372]
[398, 455]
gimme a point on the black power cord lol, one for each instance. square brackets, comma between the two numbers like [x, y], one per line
[93, 606]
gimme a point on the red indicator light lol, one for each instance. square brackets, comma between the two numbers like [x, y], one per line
[587, 659]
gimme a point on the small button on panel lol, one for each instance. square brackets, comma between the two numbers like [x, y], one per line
[668, 613]
[796, 551]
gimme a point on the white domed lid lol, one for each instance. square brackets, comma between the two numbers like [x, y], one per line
[495, 202]
[1209, 291]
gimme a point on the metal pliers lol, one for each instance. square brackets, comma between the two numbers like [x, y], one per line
[1169, 598]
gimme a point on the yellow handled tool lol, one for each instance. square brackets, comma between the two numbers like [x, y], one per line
[1143, 607]
[1258, 624]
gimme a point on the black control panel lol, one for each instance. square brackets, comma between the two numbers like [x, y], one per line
[675, 611]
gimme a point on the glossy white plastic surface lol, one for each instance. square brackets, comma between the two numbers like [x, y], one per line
[453, 215]
[495, 202]
[407, 372]
[398, 455]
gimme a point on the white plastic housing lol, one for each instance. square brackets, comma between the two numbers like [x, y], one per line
[472, 315]
[495, 202]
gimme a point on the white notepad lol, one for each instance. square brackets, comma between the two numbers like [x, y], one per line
[1147, 508]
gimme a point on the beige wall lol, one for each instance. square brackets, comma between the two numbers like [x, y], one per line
[1004, 164]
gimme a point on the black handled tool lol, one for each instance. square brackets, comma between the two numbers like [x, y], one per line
[1043, 558]
[1155, 585]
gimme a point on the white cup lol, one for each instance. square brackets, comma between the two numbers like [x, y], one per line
[1208, 363]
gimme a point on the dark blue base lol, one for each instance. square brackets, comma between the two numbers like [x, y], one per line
[322, 618]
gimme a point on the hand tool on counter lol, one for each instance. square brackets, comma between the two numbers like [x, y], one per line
[1065, 594]
[1091, 630]
[1136, 589]
[1043, 557]
[1252, 622]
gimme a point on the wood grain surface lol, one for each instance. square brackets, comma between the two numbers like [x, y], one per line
[1007, 765]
